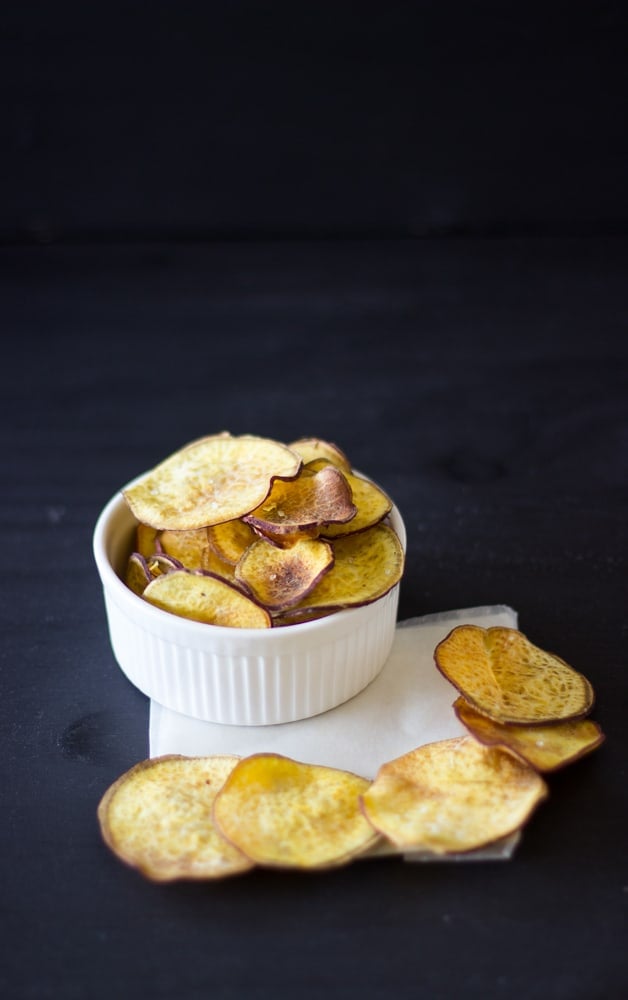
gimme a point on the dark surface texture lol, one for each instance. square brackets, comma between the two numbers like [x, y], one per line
[484, 384]
[426, 116]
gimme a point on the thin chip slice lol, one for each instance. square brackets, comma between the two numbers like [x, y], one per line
[146, 540]
[545, 747]
[451, 797]
[372, 504]
[203, 597]
[157, 818]
[312, 449]
[366, 566]
[212, 563]
[187, 546]
[299, 508]
[161, 563]
[138, 575]
[283, 813]
[214, 479]
[230, 539]
[280, 578]
[503, 675]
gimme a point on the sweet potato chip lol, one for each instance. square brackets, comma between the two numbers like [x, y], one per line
[205, 598]
[146, 540]
[138, 575]
[214, 479]
[280, 578]
[312, 449]
[283, 813]
[157, 818]
[230, 539]
[299, 507]
[161, 563]
[503, 675]
[212, 563]
[545, 747]
[452, 796]
[372, 506]
[366, 566]
[187, 546]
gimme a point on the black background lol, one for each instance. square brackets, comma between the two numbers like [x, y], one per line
[402, 228]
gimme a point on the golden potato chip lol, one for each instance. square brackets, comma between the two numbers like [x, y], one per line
[137, 575]
[187, 546]
[214, 479]
[545, 747]
[280, 578]
[299, 507]
[503, 675]
[366, 566]
[160, 563]
[283, 813]
[452, 796]
[157, 818]
[312, 449]
[146, 540]
[230, 539]
[203, 597]
[212, 563]
[372, 506]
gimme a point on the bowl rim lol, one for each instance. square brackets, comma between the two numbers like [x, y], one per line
[133, 604]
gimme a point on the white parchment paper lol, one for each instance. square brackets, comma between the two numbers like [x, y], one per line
[408, 704]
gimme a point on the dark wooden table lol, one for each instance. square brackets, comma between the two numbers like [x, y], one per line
[483, 384]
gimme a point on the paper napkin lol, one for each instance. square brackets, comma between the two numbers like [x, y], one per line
[409, 703]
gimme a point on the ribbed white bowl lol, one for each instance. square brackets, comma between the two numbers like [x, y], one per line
[248, 677]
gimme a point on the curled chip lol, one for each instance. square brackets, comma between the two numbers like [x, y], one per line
[157, 818]
[366, 566]
[230, 539]
[503, 675]
[214, 479]
[545, 747]
[283, 813]
[300, 507]
[280, 578]
[313, 449]
[138, 575]
[205, 598]
[372, 506]
[452, 796]
[161, 563]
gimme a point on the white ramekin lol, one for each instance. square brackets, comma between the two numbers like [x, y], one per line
[248, 677]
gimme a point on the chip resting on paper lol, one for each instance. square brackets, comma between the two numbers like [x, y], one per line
[504, 676]
[157, 818]
[214, 479]
[452, 796]
[545, 747]
[282, 813]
